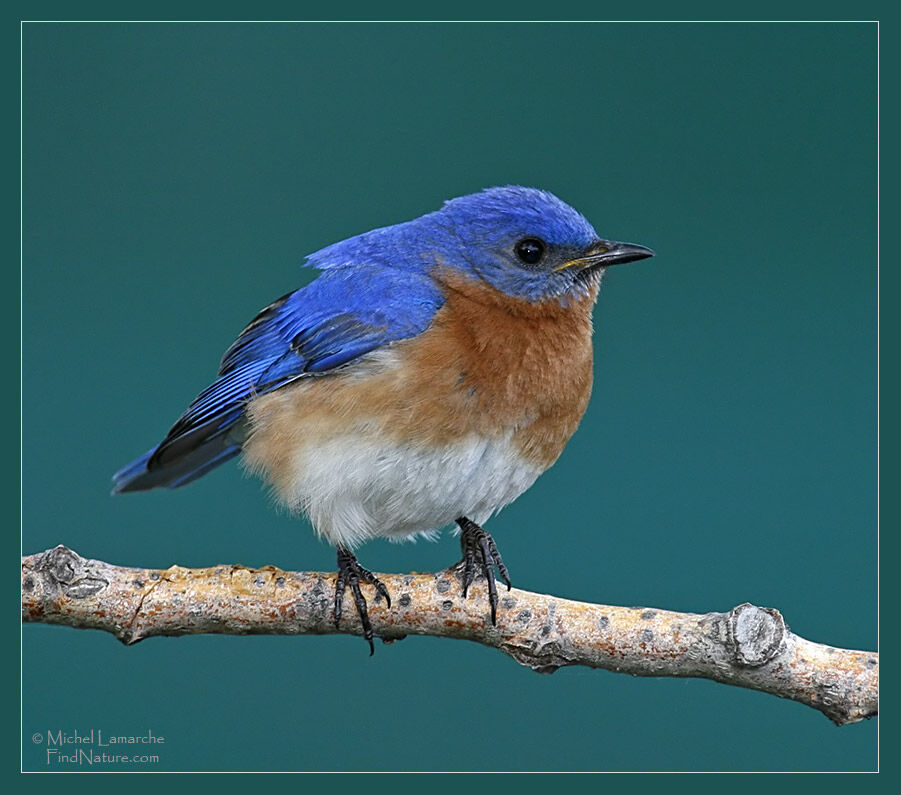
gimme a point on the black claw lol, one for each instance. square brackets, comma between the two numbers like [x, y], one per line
[350, 572]
[375, 582]
[489, 572]
[496, 557]
[479, 550]
[469, 563]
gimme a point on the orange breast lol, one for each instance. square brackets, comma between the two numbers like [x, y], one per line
[518, 365]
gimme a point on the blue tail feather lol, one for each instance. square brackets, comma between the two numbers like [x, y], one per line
[132, 471]
[142, 474]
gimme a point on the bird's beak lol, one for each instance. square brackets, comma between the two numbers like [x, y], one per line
[605, 253]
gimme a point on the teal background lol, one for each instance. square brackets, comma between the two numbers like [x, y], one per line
[173, 177]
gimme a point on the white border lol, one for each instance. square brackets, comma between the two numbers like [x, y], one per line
[23, 22]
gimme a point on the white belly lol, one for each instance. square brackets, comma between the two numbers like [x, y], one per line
[354, 488]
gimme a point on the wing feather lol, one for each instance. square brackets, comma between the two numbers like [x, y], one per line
[323, 327]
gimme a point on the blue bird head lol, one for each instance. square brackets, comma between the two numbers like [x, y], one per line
[524, 242]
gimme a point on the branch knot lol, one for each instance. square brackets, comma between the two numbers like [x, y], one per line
[755, 634]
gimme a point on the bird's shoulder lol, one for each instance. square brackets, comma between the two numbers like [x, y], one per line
[335, 319]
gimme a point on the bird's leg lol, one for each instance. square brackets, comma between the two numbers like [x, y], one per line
[350, 572]
[479, 550]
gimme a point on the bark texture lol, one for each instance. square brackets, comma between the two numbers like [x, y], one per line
[747, 646]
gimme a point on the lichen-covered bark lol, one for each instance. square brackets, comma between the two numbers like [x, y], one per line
[748, 646]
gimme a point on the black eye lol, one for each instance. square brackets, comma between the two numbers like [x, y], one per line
[529, 250]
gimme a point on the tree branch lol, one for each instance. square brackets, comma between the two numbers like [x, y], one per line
[748, 646]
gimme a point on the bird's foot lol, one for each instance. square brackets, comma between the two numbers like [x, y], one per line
[350, 572]
[480, 552]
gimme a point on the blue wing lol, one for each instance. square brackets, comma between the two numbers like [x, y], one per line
[344, 314]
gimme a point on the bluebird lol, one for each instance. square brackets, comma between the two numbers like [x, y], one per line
[427, 377]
